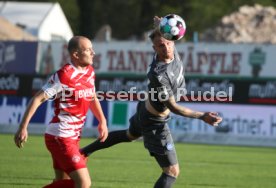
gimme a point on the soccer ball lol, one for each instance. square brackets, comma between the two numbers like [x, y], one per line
[172, 27]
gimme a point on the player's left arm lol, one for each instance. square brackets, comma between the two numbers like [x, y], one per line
[211, 118]
[167, 97]
[96, 109]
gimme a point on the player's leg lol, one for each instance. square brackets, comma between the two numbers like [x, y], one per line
[62, 179]
[61, 175]
[81, 178]
[160, 144]
[170, 169]
[74, 164]
[67, 160]
[115, 137]
[68, 183]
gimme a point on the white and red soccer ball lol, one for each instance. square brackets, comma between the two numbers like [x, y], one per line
[172, 27]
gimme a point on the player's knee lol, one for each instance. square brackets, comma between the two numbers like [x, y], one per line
[84, 184]
[82, 181]
[131, 137]
[88, 184]
[172, 170]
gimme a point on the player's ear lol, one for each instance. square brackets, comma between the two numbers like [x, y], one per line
[76, 55]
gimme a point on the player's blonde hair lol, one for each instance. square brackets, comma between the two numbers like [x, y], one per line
[155, 33]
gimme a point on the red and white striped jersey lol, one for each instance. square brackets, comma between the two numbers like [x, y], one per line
[72, 91]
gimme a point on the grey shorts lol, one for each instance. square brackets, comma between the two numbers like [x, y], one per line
[156, 135]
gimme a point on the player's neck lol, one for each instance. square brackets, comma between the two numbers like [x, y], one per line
[79, 67]
[165, 60]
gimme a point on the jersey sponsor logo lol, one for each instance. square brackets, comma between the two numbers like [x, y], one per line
[85, 93]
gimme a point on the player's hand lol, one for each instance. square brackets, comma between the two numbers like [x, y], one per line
[103, 131]
[20, 137]
[156, 21]
[211, 118]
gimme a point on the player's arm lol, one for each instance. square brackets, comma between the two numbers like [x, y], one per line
[21, 135]
[208, 117]
[156, 21]
[96, 109]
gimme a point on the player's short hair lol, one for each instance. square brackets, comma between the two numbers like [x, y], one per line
[73, 44]
[154, 33]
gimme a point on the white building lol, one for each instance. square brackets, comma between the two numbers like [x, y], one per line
[46, 21]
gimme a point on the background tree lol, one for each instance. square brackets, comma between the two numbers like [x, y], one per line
[130, 19]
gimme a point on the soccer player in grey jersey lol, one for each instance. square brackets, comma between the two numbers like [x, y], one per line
[166, 79]
[151, 118]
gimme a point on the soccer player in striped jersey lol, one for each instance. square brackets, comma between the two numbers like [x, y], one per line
[72, 89]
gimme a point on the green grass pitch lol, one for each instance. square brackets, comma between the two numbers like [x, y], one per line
[129, 165]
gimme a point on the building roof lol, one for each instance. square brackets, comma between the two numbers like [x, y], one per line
[8, 31]
[41, 19]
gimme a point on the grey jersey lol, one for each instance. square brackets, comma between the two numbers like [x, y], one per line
[165, 80]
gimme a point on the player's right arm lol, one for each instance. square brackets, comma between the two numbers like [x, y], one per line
[21, 135]
[208, 117]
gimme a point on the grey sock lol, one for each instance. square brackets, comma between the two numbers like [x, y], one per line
[165, 181]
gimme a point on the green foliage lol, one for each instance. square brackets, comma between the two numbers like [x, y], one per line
[130, 19]
[129, 165]
[71, 11]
